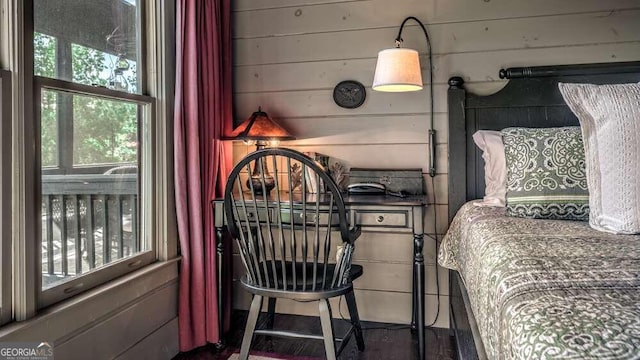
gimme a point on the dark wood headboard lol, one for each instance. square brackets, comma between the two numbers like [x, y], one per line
[530, 99]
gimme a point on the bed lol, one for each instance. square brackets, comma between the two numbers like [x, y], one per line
[531, 288]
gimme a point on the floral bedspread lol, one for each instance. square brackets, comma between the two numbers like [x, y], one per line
[547, 289]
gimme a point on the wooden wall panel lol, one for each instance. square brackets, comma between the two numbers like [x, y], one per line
[379, 247]
[370, 155]
[308, 103]
[123, 330]
[365, 129]
[314, 75]
[245, 5]
[501, 34]
[161, 344]
[436, 11]
[383, 276]
[382, 306]
[289, 54]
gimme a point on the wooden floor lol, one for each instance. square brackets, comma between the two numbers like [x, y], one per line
[382, 341]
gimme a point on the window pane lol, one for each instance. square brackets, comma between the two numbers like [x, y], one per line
[104, 132]
[88, 42]
[49, 129]
[44, 55]
[90, 213]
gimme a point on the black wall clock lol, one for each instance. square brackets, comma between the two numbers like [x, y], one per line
[349, 94]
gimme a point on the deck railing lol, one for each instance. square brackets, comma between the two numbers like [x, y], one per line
[87, 221]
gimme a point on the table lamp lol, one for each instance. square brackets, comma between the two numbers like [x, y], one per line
[262, 130]
[398, 70]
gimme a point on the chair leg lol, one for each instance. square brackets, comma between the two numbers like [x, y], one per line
[355, 318]
[271, 311]
[327, 329]
[254, 312]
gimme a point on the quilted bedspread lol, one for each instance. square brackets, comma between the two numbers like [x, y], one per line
[547, 289]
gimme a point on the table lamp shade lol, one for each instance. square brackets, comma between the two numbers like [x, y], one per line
[397, 70]
[259, 126]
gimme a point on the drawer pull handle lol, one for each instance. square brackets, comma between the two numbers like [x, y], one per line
[380, 218]
[312, 218]
[250, 215]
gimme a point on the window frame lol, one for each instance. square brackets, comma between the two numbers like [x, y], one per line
[118, 267]
[6, 305]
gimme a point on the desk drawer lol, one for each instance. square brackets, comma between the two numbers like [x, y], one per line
[387, 218]
[251, 214]
[311, 217]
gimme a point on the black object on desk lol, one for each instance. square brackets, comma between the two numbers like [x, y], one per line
[395, 181]
[373, 188]
[366, 188]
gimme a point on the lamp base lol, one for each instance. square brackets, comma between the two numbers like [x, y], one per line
[255, 182]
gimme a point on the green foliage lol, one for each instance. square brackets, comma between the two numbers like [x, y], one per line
[87, 65]
[44, 55]
[44, 58]
[104, 131]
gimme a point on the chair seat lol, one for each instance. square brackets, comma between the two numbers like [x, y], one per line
[354, 273]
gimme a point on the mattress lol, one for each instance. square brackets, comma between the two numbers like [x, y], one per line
[546, 289]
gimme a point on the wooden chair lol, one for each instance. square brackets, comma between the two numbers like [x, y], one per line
[285, 241]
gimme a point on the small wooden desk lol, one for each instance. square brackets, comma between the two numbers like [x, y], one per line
[374, 213]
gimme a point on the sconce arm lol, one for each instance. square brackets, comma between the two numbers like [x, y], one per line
[432, 131]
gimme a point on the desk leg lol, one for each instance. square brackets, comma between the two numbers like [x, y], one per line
[221, 296]
[414, 300]
[418, 295]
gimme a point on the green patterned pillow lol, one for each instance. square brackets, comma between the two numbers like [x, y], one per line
[546, 176]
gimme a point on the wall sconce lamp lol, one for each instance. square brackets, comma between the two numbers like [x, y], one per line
[398, 70]
[261, 130]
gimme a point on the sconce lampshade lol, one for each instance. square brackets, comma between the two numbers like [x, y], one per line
[397, 70]
[259, 126]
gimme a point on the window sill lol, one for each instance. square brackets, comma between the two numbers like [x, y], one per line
[72, 316]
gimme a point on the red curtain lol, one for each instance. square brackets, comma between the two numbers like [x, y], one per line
[203, 114]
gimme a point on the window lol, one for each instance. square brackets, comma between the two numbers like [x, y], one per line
[82, 149]
[94, 149]
[5, 196]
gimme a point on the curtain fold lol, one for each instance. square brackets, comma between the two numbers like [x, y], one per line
[203, 114]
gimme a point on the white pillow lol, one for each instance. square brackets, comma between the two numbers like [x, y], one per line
[610, 121]
[495, 167]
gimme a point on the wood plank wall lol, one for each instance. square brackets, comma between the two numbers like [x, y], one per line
[289, 54]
